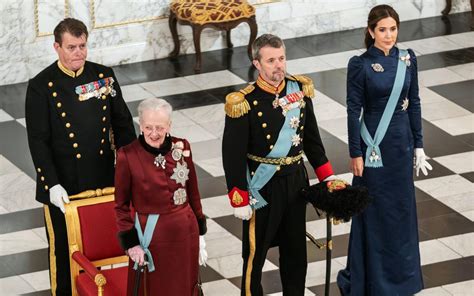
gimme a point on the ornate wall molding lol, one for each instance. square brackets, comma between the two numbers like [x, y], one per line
[36, 18]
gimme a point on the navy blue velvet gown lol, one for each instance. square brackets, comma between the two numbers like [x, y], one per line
[384, 257]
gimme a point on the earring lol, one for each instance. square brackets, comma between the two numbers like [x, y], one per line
[167, 134]
[141, 133]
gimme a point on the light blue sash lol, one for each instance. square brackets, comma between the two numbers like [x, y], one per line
[373, 157]
[145, 237]
[265, 172]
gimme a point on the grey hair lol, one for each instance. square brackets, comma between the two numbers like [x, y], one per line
[265, 40]
[154, 104]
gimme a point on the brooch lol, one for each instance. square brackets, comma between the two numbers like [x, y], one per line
[405, 104]
[294, 122]
[377, 67]
[180, 173]
[179, 196]
[374, 156]
[160, 161]
[295, 140]
[406, 59]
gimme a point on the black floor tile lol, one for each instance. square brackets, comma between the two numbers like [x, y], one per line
[469, 176]
[236, 281]
[211, 187]
[414, 29]
[340, 245]
[221, 92]
[25, 262]
[466, 138]
[327, 43]
[201, 173]
[446, 225]
[338, 155]
[296, 50]
[432, 208]
[449, 272]
[320, 290]
[248, 74]
[422, 196]
[271, 281]
[312, 215]
[445, 59]
[451, 24]
[145, 71]
[439, 143]
[208, 274]
[231, 224]
[437, 171]
[12, 99]
[184, 65]
[460, 93]
[332, 83]
[21, 220]
[39, 293]
[14, 147]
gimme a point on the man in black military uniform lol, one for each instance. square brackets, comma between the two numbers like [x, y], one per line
[72, 107]
[265, 126]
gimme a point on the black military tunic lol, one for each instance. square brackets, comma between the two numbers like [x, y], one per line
[70, 143]
[252, 127]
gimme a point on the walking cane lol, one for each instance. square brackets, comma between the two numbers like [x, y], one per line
[138, 274]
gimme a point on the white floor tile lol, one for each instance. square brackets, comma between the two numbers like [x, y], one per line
[178, 119]
[456, 126]
[14, 285]
[317, 229]
[4, 116]
[3, 210]
[169, 87]
[460, 289]
[231, 266]
[459, 202]
[463, 39]
[19, 200]
[436, 291]
[445, 186]
[220, 288]
[468, 214]
[434, 251]
[6, 167]
[41, 232]
[438, 76]
[307, 65]
[327, 109]
[427, 96]
[431, 45]
[458, 163]
[217, 206]
[14, 182]
[38, 280]
[206, 149]
[205, 114]
[213, 166]
[216, 128]
[316, 274]
[337, 127]
[464, 70]
[215, 79]
[462, 244]
[340, 59]
[443, 110]
[20, 241]
[22, 121]
[194, 133]
[134, 92]
[306, 293]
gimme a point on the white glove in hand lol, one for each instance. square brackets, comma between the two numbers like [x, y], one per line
[137, 254]
[421, 163]
[202, 251]
[58, 196]
[330, 178]
[244, 213]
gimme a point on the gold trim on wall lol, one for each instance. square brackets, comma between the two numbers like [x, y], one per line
[36, 17]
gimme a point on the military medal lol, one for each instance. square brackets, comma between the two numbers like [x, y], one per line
[405, 104]
[180, 173]
[160, 161]
[295, 140]
[374, 156]
[179, 196]
[96, 89]
[177, 154]
[377, 67]
[294, 122]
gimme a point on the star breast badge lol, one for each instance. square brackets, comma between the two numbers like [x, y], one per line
[180, 173]
[405, 104]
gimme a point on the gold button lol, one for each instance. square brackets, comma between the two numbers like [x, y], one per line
[259, 114]
[102, 141]
[302, 127]
[278, 168]
[104, 107]
[301, 115]
[252, 173]
[104, 129]
[101, 151]
[46, 187]
[55, 94]
[78, 155]
[38, 170]
[63, 114]
[299, 161]
[268, 137]
[101, 75]
[68, 125]
[59, 104]
[104, 119]
[271, 147]
[255, 103]
[264, 125]
[75, 145]
[71, 135]
[104, 97]
[50, 84]
[42, 178]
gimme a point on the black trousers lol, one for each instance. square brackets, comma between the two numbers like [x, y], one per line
[59, 270]
[281, 223]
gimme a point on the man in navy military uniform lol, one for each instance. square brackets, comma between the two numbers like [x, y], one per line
[75, 115]
[266, 125]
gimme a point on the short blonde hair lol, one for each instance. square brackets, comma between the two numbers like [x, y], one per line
[155, 104]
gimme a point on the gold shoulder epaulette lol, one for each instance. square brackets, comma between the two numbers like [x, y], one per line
[308, 86]
[235, 103]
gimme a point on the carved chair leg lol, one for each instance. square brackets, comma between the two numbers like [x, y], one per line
[197, 46]
[229, 42]
[172, 21]
[447, 9]
[253, 35]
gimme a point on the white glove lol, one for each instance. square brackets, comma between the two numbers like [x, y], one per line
[58, 196]
[137, 254]
[330, 178]
[421, 163]
[244, 213]
[202, 251]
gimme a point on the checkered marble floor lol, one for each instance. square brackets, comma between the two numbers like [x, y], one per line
[445, 198]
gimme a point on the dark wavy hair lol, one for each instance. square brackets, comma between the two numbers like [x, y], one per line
[376, 14]
[73, 26]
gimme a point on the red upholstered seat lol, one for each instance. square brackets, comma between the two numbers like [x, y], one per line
[93, 243]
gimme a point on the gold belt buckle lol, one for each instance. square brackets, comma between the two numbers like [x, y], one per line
[288, 160]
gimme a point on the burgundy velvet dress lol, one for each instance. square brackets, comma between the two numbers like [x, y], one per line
[149, 185]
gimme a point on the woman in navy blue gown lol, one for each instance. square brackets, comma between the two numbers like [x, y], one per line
[384, 256]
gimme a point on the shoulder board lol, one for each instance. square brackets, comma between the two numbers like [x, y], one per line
[308, 86]
[235, 103]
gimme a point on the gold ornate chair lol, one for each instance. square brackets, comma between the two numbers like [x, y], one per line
[93, 244]
[221, 15]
